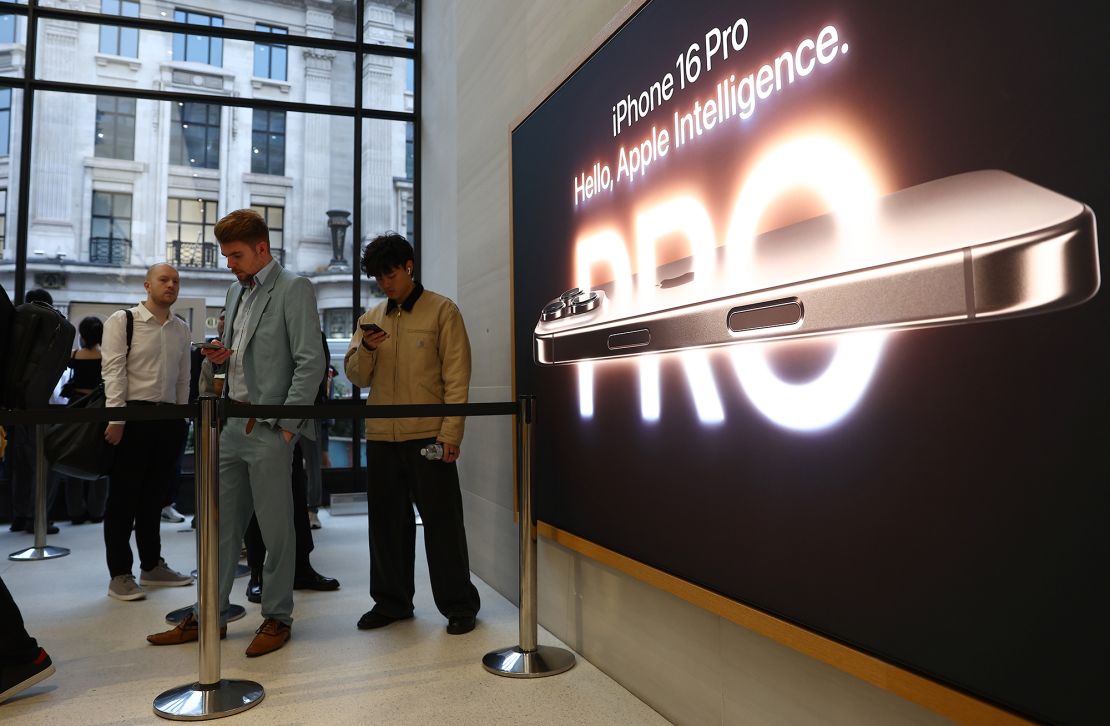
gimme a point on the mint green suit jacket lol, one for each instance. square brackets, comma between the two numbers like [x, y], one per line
[283, 361]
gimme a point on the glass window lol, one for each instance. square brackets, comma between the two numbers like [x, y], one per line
[198, 48]
[110, 238]
[268, 142]
[7, 28]
[115, 40]
[115, 127]
[275, 220]
[190, 236]
[270, 60]
[338, 323]
[195, 135]
[5, 120]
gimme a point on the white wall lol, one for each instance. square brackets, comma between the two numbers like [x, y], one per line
[484, 63]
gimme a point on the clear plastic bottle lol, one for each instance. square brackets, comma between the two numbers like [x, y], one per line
[432, 452]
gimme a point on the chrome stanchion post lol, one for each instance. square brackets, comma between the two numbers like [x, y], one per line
[42, 478]
[211, 696]
[529, 659]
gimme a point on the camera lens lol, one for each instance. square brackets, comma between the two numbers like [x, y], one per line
[553, 310]
[566, 296]
[583, 302]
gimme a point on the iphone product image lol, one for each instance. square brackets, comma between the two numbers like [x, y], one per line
[978, 246]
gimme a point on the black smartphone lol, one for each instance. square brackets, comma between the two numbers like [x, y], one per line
[208, 346]
[371, 327]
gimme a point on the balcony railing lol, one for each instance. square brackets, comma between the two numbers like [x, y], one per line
[110, 250]
[202, 254]
[191, 254]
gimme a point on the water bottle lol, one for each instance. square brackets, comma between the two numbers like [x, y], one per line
[432, 452]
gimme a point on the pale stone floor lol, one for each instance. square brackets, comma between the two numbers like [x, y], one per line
[330, 673]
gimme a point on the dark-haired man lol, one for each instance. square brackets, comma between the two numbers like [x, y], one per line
[272, 350]
[412, 348]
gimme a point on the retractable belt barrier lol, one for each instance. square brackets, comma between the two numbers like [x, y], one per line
[211, 696]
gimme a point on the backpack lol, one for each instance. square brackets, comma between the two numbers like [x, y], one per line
[36, 349]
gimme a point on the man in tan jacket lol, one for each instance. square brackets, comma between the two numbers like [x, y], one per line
[413, 348]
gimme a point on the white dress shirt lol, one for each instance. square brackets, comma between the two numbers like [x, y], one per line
[157, 370]
[236, 376]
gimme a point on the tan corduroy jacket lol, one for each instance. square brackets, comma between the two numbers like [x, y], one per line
[425, 359]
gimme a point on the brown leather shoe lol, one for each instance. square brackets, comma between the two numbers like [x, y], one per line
[186, 631]
[270, 636]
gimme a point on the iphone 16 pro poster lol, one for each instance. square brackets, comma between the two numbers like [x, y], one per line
[809, 294]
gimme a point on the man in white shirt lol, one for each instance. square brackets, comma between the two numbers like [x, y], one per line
[154, 372]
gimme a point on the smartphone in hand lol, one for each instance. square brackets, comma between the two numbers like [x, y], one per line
[371, 328]
[212, 345]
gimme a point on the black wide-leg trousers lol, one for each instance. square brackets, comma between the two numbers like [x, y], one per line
[397, 476]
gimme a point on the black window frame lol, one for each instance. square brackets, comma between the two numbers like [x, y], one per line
[268, 142]
[112, 112]
[195, 134]
[269, 50]
[114, 247]
[182, 250]
[275, 226]
[184, 42]
[115, 35]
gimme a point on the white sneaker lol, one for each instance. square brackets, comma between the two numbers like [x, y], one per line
[163, 576]
[314, 520]
[169, 514]
[124, 587]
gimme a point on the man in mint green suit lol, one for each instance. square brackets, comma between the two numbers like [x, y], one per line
[271, 345]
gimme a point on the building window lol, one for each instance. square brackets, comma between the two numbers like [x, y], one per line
[269, 60]
[190, 236]
[275, 221]
[110, 242]
[116, 40]
[198, 48]
[338, 323]
[195, 135]
[7, 28]
[115, 127]
[268, 142]
[5, 120]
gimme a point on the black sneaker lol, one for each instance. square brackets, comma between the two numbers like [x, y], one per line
[20, 677]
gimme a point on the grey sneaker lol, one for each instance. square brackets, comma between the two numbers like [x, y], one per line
[163, 576]
[124, 587]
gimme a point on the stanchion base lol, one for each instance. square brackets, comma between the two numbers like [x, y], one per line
[235, 612]
[513, 662]
[195, 702]
[32, 554]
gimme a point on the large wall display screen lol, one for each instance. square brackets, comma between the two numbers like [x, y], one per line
[809, 296]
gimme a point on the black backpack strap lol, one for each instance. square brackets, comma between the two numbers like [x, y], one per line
[130, 329]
